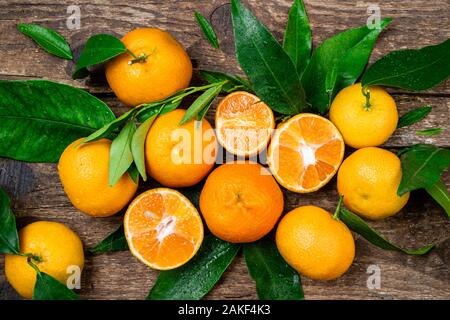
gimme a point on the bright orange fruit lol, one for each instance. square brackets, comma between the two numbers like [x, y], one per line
[244, 124]
[305, 153]
[163, 228]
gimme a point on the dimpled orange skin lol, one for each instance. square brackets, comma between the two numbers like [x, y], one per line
[368, 179]
[315, 244]
[179, 156]
[364, 127]
[84, 169]
[166, 70]
[58, 247]
[241, 202]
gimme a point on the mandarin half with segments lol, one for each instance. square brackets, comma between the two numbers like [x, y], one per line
[305, 152]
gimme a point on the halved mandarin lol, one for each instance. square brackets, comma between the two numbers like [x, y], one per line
[305, 153]
[244, 124]
[163, 228]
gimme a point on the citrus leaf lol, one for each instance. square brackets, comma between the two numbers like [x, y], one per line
[275, 279]
[267, 65]
[9, 239]
[133, 173]
[415, 70]
[422, 167]
[50, 40]
[107, 130]
[359, 226]
[98, 49]
[439, 192]
[413, 116]
[116, 241]
[202, 101]
[48, 288]
[430, 132]
[207, 29]
[297, 39]
[196, 278]
[348, 52]
[120, 156]
[39, 118]
[138, 145]
[234, 83]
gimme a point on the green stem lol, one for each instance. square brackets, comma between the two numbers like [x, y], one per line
[366, 93]
[132, 54]
[31, 256]
[35, 267]
[141, 58]
[338, 208]
[440, 193]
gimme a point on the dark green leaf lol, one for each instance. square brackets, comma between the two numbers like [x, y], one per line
[107, 130]
[275, 279]
[267, 65]
[413, 116]
[201, 102]
[207, 29]
[116, 241]
[439, 193]
[121, 157]
[430, 132]
[39, 118]
[50, 40]
[149, 111]
[359, 226]
[348, 52]
[235, 83]
[138, 145]
[297, 38]
[9, 240]
[48, 288]
[422, 167]
[411, 69]
[133, 173]
[99, 48]
[196, 278]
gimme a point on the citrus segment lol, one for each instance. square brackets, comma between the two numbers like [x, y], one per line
[163, 229]
[305, 153]
[244, 124]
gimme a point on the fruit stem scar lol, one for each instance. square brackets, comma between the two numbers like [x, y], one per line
[31, 256]
[366, 93]
[338, 208]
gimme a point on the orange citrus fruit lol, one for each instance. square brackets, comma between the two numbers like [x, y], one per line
[163, 229]
[58, 248]
[179, 156]
[305, 152]
[244, 124]
[241, 202]
[315, 244]
[84, 169]
[364, 125]
[162, 67]
[368, 179]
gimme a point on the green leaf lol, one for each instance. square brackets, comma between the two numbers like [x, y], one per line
[99, 48]
[107, 130]
[196, 278]
[348, 52]
[413, 116]
[133, 173]
[39, 118]
[267, 65]
[116, 241]
[415, 70]
[120, 157]
[201, 102]
[50, 40]
[48, 288]
[9, 240]
[439, 192]
[138, 145]
[234, 83]
[275, 279]
[422, 167]
[359, 226]
[207, 29]
[297, 38]
[430, 132]
[150, 110]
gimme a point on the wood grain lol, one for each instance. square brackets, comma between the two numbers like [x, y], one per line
[38, 195]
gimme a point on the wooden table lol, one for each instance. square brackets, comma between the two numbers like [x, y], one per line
[38, 195]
